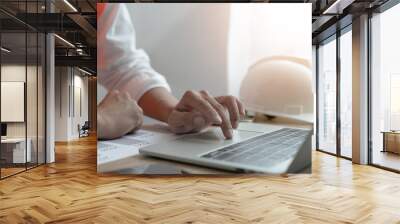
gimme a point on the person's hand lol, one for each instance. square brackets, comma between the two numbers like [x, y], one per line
[198, 110]
[117, 115]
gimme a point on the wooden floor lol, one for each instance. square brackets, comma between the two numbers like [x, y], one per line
[10, 171]
[70, 191]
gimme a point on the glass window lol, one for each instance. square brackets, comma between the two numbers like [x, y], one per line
[327, 96]
[15, 151]
[346, 94]
[385, 87]
[31, 97]
[41, 98]
[394, 102]
[22, 90]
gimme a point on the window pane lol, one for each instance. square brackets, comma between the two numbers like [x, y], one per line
[346, 94]
[31, 99]
[386, 88]
[23, 86]
[327, 97]
[13, 80]
[15, 150]
[41, 98]
[394, 101]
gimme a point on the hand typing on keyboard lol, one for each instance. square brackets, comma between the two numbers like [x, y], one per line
[198, 110]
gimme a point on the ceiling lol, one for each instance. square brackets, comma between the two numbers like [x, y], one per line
[22, 20]
[332, 15]
[327, 14]
[77, 24]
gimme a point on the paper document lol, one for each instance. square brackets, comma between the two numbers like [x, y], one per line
[129, 145]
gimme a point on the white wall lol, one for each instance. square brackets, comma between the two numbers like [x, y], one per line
[67, 120]
[186, 43]
[34, 125]
[61, 103]
[80, 83]
[18, 73]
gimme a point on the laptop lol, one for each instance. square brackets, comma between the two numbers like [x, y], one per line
[254, 148]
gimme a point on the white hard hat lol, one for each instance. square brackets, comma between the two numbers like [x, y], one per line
[279, 86]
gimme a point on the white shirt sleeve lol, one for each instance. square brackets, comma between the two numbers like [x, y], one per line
[120, 65]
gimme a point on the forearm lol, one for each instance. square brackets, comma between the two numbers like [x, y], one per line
[158, 103]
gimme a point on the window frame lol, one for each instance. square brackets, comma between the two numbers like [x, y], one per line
[381, 9]
[31, 30]
[334, 37]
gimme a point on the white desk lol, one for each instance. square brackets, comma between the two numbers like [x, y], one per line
[16, 148]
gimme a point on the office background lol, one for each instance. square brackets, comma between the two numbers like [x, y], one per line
[22, 64]
[337, 191]
[358, 84]
[48, 79]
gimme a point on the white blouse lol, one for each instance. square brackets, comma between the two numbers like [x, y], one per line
[120, 65]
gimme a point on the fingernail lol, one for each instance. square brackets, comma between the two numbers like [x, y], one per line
[230, 133]
[217, 120]
[234, 124]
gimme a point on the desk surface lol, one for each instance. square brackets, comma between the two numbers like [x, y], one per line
[391, 132]
[140, 164]
[13, 140]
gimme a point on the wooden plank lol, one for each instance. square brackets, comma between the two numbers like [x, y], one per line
[71, 191]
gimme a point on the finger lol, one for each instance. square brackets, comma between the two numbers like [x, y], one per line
[241, 108]
[196, 102]
[199, 122]
[233, 110]
[180, 122]
[226, 124]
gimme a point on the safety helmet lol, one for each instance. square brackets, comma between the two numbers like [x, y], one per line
[279, 86]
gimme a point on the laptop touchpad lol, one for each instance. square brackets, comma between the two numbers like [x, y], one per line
[198, 143]
[215, 137]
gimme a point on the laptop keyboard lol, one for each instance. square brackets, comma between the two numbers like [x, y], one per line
[264, 150]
